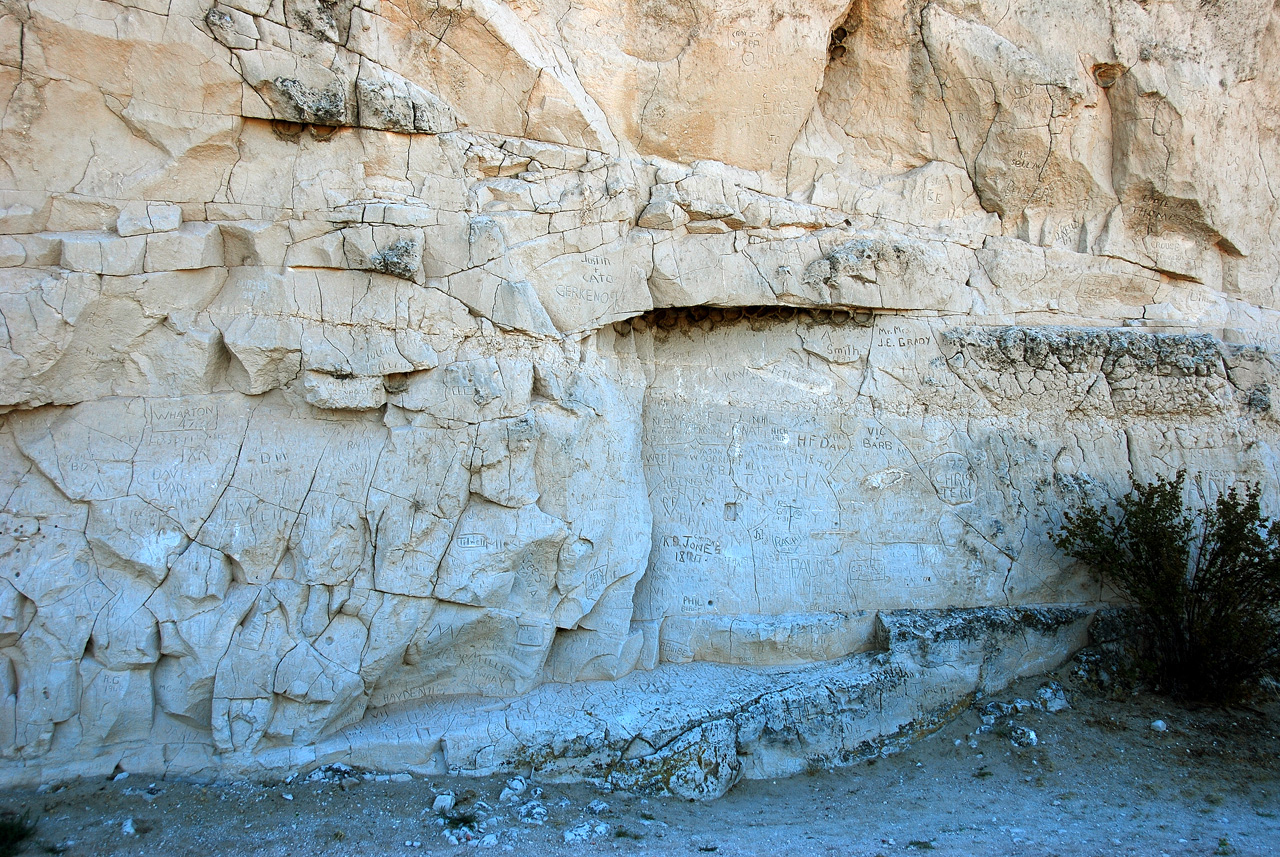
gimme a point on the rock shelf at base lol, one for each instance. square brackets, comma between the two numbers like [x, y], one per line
[692, 730]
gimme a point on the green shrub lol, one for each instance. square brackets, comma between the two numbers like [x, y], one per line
[15, 829]
[1206, 583]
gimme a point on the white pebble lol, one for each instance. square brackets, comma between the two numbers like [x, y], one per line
[1159, 726]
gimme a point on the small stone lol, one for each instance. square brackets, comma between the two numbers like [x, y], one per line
[533, 812]
[489, 840]
[1021, 736]
[1159, 726]
[514, 788]
[123, 775]
[597, 806]
[401, 778]
[287, 796]
[127, 828]
[585, 831]
[443, 803]
[1052, 697]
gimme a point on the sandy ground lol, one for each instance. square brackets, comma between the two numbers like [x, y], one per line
[1099, 781]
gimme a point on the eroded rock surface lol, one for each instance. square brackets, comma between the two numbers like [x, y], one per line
[463, 385]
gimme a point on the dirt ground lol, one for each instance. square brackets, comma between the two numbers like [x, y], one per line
[1098, 781]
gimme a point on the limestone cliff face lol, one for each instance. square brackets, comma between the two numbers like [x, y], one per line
[366, 367]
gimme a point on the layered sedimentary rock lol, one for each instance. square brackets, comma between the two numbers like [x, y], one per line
[617, 389]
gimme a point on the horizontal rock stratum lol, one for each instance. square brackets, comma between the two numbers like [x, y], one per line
[659, 392]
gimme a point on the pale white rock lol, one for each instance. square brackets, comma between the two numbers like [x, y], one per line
[103, 253]
[893, 271]
[513, 789]
[415, 347]
[139, 218]
[494, 549]
[232, 26]
[585, 832]
[393, 250]
[194, 245]
[502, 461]
[138, 536]
[414, 519]
[266, 350]
[362, 393]
[516, 305]
[581, 290]
[386, 100]
[708, 227]
[708, 269]
[745, 639]
[298, 88]
[253, 243]
[41, 248]
[558, 388]
[123, 699]
[662, 214]
[470, 390]
[322, 251]
[344, 350]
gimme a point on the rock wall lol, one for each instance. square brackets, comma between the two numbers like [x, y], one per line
[457, 385]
